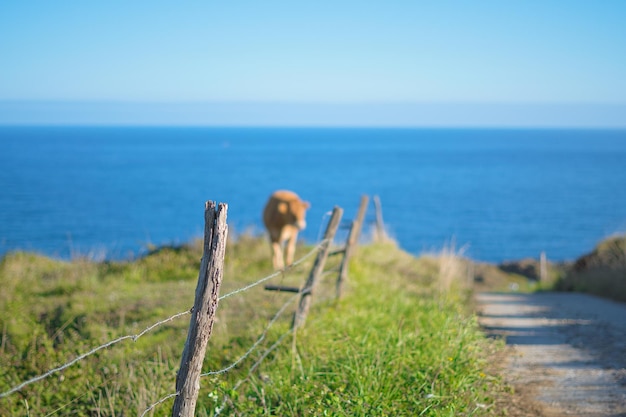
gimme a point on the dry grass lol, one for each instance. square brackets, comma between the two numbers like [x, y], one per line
[601, 272]
[454, 271]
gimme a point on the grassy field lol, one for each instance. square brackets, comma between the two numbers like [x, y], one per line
[402, 341]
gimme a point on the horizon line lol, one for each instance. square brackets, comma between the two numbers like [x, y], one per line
[313, 114]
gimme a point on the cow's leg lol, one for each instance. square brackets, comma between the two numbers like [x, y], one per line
[277, 255]
[291, 248]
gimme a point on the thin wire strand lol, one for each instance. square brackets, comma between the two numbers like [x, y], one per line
[320, 230]
[91, 352]
[161, 401]
[253, 368]
[277, 273]
[269, 350]
[258, 341]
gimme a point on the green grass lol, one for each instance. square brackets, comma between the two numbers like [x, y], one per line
[401, 341]
[397, 345]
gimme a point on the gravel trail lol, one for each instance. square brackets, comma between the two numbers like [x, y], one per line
[568, 351]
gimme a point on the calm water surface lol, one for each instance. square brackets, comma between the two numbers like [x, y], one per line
[499, 194]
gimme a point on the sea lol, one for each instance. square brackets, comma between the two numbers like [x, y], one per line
[488, 194]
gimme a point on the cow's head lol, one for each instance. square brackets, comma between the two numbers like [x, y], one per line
[295, 212]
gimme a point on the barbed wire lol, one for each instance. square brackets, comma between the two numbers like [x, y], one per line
[254, 367]
[277, 273]
[91, 352]
[134, 337]
[258, 341]
[240, 359]
[161, 401]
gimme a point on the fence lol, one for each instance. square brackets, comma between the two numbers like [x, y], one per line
[207, 299]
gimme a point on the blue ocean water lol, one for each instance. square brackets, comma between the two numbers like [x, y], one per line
[498, 194]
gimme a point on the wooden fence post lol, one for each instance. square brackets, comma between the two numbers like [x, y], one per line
[543, 268]
[318, 267]
[204, 308]
[353, 238]
[381, 235]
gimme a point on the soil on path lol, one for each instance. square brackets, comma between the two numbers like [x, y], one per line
[567, 351]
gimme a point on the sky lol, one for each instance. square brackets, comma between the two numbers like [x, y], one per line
[337, 63]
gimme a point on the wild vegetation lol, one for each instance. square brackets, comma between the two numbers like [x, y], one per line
[402, 340]
[601, 272]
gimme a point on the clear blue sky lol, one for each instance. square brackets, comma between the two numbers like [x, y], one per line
[362, 62]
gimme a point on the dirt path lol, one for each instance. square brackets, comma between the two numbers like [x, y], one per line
[568, 351]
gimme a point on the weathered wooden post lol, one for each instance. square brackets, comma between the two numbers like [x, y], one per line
[381, 235]
[204, 308]
[353, 238]
[318, 267]
[543, 268]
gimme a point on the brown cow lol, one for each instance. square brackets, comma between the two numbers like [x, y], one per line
[284, 217]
